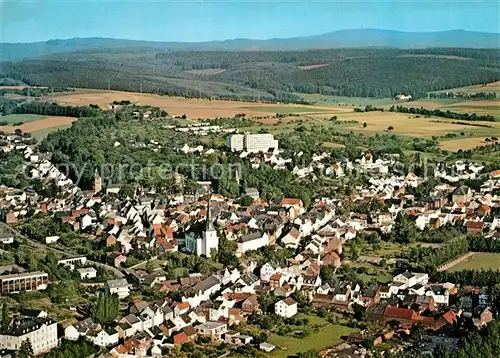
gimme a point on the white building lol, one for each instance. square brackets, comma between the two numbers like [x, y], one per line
[119, 287]
[87, 272]
[286, 308]
[51, 239]
[41, 332]
[214, 330]
[410, 279]
[252, 142]
[209, 239]
[252, 242]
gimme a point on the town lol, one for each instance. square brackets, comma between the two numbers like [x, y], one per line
[137, 270]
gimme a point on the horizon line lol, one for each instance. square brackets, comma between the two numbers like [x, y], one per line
[251, 39]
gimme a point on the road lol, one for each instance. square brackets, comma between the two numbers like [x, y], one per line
[37, 244]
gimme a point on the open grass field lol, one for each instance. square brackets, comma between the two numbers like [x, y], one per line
[12, 119]
[463, 143]
[490, 87]
[409, 125]
[193, 108]
[328, 335]
[480, 260]
[34, 123]
[340, 101]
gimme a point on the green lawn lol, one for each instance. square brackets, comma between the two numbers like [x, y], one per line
[481, 260]
[42, 133]
[328, 335]
[12, 119]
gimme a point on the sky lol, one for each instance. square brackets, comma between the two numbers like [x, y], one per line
[193, 21]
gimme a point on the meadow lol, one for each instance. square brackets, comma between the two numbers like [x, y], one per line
[328, 335]
[480, 260]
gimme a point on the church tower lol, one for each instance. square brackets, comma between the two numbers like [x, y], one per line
[97, 182]
[209, 239]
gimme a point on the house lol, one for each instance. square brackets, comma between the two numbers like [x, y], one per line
[474, 227]
[41, 332]
[252, 241]
[120, 287]
[485, 317]
[214, 330]
[51, 239]
[292, 238]
[286, 308]
[180, 338]
[410, 279]
[6, 238]
[82, 328]
[267, 270]
[87, 272]
[461, 195]
[236, 338]
[106, 337]
[267, 347]
[250, 305]
[252, 192]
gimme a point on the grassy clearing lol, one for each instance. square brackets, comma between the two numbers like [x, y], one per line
[490, 87]
[480, 260]
[332, 145]
[42, 133]
[320, 99]
[13, 119]
[327, 336]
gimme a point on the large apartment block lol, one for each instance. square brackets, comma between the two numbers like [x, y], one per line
[26, 281]
[41, 332]
[252, 142]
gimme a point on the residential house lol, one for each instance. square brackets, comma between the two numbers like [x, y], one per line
[286, 307]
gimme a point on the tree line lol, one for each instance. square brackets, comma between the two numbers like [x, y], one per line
[444, 114]
[47, 109]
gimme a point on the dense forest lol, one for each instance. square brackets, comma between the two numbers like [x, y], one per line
[264, 75]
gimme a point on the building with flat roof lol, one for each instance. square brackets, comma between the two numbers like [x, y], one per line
[252, 142]
[26, 281]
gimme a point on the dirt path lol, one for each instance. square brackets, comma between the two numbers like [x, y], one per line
[452, 263]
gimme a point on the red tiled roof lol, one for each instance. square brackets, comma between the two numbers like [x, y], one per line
[449, 317]
[289, 301]
[396, 312]
[180, 338]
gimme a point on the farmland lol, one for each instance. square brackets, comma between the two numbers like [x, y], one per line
[33, 123]
[480, 260]
[464, 143]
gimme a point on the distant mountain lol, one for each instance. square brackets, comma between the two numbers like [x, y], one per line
[338, 39]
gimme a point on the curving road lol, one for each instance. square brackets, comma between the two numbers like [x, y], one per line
[37, 244]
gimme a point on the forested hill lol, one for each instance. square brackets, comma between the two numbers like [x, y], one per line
[264, 74]
[360, 38]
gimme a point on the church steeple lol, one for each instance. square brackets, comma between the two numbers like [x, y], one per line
[209, 224]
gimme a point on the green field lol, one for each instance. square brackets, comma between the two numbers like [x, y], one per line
[12, 119]
[328, 335]
[289, 110]
[480, 260]
[42, 133]
[320, 99]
